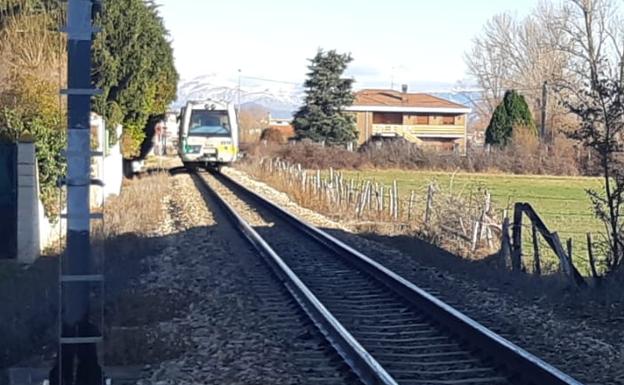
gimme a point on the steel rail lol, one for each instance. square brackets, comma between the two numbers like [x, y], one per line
[361, 362]
[527, 367]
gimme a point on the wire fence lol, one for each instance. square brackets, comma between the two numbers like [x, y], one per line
[462, 219]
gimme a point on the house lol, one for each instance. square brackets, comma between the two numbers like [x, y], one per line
[418, 117]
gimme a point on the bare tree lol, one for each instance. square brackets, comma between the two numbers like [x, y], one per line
[488, 62]
[594, 42]
[253, 119]
[519, 54]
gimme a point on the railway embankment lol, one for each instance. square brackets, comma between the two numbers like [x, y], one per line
[574, 330]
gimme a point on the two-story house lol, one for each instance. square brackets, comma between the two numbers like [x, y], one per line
[420, 118]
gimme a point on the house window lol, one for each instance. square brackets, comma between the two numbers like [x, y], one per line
[448, 119]
[422, 119]
[387, 118]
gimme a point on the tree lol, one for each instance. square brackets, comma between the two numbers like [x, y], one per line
[513, 53]
[596, 45]
[512, 113]
[134, 67]
[322, 117]
[252, 120]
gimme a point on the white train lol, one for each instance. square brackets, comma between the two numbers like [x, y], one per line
[208, 134]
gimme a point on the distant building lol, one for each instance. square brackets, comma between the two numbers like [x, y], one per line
[284, 125]
[171, 122]
[418, 117]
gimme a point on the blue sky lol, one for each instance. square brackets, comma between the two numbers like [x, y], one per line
[417, 41]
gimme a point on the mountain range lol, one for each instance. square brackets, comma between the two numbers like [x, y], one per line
[281, 99]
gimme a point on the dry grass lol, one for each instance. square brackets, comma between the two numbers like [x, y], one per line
[29, 45]
[139, 209]
[366, 205]
[29, 296]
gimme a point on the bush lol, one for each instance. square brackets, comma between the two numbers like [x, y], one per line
[32, 64]
[30, 111]
[525, 155]
[393, 153]
[273, 135]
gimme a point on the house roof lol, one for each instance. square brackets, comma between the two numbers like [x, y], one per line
[390, 100]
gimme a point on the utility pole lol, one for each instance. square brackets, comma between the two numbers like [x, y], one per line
[239, 98]
[77, 359]
[544, 105]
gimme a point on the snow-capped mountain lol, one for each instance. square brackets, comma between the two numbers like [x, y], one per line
[277, 97]
[282, 99]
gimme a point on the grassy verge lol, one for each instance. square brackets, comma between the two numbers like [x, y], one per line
[560, 201]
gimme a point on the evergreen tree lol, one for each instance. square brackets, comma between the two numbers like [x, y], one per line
[133, 65]
[322, 117]
[512, 113]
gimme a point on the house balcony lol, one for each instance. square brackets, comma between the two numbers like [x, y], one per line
[421, 131]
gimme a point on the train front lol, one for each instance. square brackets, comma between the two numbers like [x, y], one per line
[208, 134]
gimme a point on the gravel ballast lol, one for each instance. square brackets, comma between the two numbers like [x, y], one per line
[588, 352]
[232, 322]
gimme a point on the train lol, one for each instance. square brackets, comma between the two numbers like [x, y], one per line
[208, 134]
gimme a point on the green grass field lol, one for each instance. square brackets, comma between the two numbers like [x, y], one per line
[560, 201]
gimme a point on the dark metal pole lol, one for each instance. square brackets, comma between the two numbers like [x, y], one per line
[77, 361]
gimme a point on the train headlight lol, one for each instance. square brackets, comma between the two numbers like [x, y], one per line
[192, 149]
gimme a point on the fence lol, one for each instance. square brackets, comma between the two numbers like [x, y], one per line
[462, 220]
[8, 200]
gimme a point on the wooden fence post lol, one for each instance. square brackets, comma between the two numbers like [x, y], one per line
[592, 262]
[536, 252]
[429, 205]
[505, 251]
[475, 236]
[516, 251]
[486, 209]
[561, 254]
[566, 261]
[395, 188]
[382, 193]
[410, 206]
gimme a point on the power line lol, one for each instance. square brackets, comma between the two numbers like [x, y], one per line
[270, 80]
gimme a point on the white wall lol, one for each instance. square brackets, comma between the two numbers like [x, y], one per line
[35, 231]
[108, 169]
[28, 236]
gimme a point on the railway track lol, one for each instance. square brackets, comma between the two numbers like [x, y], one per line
[386, 329]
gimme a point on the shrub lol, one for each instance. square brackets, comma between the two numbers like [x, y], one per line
[30, 112]
[511, 115]
[525, 155]
[273, 135]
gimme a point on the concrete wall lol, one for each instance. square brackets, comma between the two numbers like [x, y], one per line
[35, 232]
[108, 169]
[28, 237]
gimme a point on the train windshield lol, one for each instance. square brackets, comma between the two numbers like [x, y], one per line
[209, 123]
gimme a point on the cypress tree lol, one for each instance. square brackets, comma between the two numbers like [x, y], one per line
[322, 117]
[512, 113]
[133, 65]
